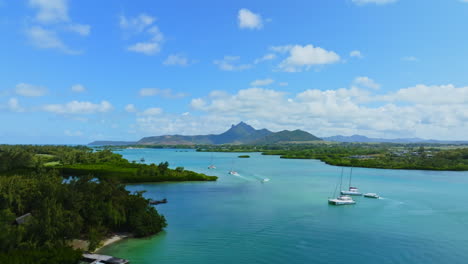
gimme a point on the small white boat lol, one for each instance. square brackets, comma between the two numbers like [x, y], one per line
[233, 173]
[372, 195]
[352, 191]
[265, 180]
[342, 200]
[211, 167]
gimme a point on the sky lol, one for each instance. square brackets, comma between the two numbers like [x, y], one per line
[72, 72]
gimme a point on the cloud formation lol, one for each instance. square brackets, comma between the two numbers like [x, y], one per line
[29, 90]
[78, 88]
[249, 20]
[165, 93]
[423, 111]
[143, 24]
[304, 57]
[176, 60]
[51, 19]
[231, 63]
[79, 107]
[356, 54]
[366, 82]
[262, 82]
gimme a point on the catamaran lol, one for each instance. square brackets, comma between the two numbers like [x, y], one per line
[351, 190]
[233, 172]
[212, 166]
[342, 199]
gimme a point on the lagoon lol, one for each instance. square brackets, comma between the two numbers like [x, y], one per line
[421, 218]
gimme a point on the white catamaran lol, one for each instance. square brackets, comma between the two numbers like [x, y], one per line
[342, 199]
[212, 166]
[351, 190]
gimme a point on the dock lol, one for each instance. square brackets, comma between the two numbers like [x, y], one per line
[102, 259]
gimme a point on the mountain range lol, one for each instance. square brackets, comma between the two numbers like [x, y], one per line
[241, 133]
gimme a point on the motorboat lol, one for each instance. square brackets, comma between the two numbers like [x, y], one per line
[265, 180]
[372, 195]
[233, 173]
[211, 167]
[342, 200]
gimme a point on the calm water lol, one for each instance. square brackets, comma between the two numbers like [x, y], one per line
[422, 218]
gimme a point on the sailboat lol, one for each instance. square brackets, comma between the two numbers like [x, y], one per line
[233, 172]
[212, 166]
[342, 199]
[351, 190]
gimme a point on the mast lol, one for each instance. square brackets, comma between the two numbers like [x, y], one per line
[341, 178]
[350, 176]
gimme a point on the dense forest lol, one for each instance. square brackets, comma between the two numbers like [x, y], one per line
[372, 155]
[43, 208]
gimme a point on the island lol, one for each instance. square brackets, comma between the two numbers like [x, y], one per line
[51, 196]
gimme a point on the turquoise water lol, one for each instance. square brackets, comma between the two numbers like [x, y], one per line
[422, 217]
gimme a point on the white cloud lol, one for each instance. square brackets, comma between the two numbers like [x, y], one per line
[248, 19]
[356, 54]
[147, 48]
[176, 59]
[83, 30]
[130, 108]
[78, 88]
[165, 93]
[267, 57]
[71, 133]
[366, 82]
[377, 2]
[136, 24]
[283, 84]
[427, 111]
[13, 105]
[303, 57]
[50, 11]
[263, 82]
[79, 107]
[143, 24]
[153, 111]
[51, 18]
[30, 90]
[231, 63]
[47, 39]
[410, 58]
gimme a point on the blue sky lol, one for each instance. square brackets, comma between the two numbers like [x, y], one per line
[77, 71]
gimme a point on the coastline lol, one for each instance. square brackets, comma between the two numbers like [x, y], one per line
[83, 244]
[112, 239]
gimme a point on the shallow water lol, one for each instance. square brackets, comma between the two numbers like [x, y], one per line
[422, 217]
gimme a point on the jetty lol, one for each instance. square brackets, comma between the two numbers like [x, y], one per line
[102, 259]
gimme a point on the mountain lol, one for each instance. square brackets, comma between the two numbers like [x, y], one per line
[364, 139]
[112, 143]
[241, 133]
[237, 134]
[288, 136]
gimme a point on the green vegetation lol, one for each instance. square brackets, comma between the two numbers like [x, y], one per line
[370, 155]
[90, 205]
[244, 156]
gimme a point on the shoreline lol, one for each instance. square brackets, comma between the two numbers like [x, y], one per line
[111, 240]
[83, 244]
